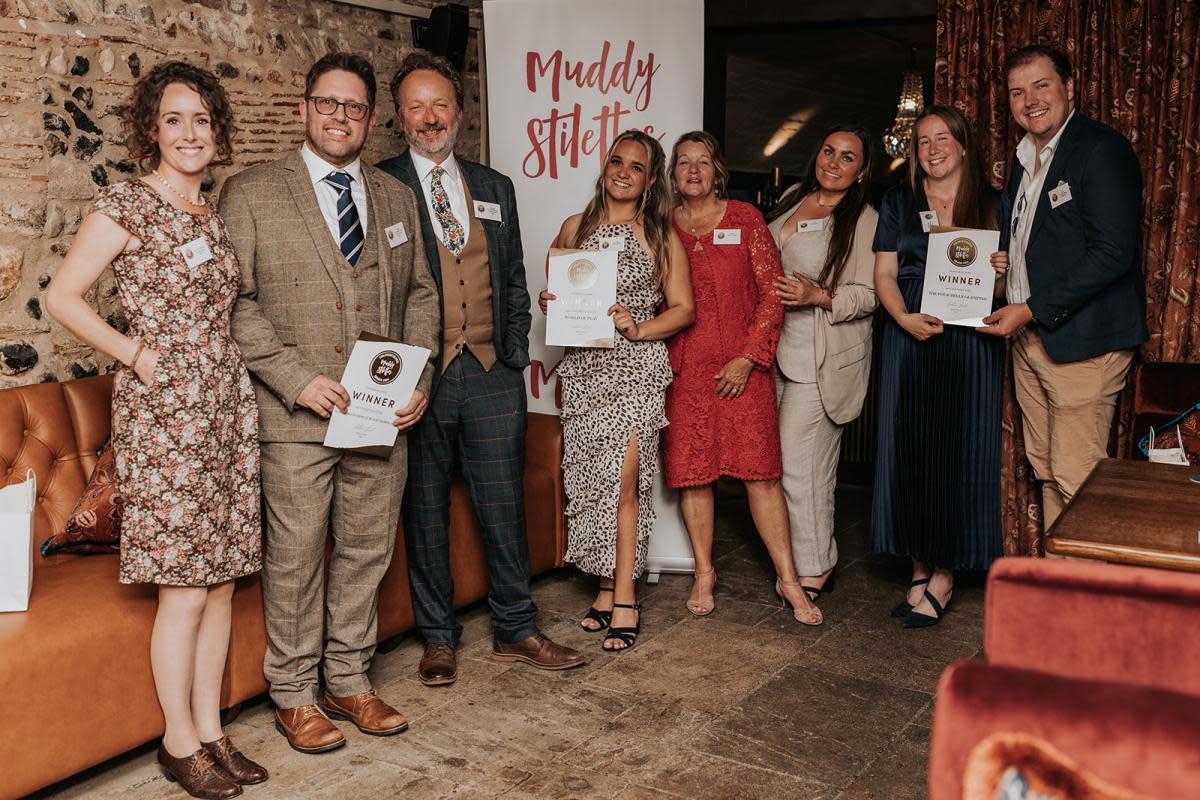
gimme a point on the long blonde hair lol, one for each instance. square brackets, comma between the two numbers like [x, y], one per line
[654, 207]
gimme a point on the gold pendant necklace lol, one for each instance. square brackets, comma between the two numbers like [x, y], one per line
[178, 193]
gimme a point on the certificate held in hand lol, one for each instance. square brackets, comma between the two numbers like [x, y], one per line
[584, 285]
[959, 279]
[380, 376]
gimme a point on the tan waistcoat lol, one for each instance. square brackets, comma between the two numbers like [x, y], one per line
[467, 298]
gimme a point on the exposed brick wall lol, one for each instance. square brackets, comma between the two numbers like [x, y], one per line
[66, 66]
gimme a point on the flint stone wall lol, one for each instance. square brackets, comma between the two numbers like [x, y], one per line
[66, 68]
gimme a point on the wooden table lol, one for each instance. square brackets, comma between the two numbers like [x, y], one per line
[1132, 512]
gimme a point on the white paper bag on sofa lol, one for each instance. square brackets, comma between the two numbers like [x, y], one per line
[16, 543]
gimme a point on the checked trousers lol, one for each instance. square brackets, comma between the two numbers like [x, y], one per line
[476, 421]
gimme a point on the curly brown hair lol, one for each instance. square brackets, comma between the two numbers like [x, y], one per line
[140, 118]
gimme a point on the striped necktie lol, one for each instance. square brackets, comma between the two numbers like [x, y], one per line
[452, 230]
[350, 232]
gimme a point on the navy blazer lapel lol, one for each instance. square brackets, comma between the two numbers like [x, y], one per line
[1058, 168]
[408, 175]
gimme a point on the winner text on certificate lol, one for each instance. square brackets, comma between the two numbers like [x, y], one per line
[380, 377]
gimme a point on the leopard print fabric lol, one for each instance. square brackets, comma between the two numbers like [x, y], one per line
[609, 396]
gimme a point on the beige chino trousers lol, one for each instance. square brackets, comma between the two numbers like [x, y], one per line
[1067, 411]
[811, 443]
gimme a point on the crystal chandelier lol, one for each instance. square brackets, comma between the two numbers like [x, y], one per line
[910, 106]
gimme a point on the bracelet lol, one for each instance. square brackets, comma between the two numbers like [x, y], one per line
[136, 353]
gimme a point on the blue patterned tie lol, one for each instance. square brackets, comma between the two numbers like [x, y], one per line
[350, 232]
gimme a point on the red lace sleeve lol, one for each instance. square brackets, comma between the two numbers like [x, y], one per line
[763, 334]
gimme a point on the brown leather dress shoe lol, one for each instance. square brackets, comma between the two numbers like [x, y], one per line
[368, 713]
[230, 759]
[198, 774]
[308, 730]
[539, 651]
[439, 665]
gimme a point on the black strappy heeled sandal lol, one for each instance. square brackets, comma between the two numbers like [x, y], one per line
[627, 636]
[901, 609]
[915, 620]
[814, 592]
[602, 618]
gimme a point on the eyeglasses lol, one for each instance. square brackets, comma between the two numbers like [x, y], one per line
[1016, 220]
[327, 106]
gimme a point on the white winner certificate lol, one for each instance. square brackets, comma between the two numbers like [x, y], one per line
[959, 279]
[380, 377]
[584, 285]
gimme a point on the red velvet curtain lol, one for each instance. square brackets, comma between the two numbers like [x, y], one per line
[1135, 67]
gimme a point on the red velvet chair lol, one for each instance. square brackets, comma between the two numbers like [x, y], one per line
[1101, 661]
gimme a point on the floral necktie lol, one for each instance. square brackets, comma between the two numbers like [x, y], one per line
[452, 230]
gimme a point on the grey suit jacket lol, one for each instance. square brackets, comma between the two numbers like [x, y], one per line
[286, 319]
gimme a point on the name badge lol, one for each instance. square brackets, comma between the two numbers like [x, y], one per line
[727, 236]
[195, 252]
[396, 235]
[487, 211]
[1060, 194]
[615, 243]
[928, 220]
[810, 225]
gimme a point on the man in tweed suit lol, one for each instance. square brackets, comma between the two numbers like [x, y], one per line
[324, 245]
[477, 410]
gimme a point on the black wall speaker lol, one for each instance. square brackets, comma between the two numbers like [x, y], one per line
[444, 33]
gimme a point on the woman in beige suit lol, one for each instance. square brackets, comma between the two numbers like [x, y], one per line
[824, 228]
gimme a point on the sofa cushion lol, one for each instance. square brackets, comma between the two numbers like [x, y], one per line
[95, 523]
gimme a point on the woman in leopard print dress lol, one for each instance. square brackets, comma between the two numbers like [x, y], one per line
[613, 399]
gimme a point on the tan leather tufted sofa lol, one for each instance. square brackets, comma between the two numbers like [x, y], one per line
[75, 668]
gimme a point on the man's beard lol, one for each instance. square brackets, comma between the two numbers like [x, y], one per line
[415, 143]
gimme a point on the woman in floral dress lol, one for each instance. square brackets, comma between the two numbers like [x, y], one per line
[184, 420]
[613, 400]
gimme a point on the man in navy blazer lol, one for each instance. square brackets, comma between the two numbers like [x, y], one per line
[477, 406]
[1076, 293]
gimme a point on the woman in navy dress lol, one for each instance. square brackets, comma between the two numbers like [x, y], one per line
[937, 468]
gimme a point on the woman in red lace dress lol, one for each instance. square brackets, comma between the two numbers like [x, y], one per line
[721, 405]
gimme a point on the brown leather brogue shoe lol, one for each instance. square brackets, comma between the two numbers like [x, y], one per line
[368, 713]
[198, 774]
[230, 759]
[308, 730]
[439, 665]
[539, 651]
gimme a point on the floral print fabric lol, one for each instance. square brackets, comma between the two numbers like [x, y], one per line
[186, 443]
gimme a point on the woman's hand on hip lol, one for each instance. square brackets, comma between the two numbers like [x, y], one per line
[731, 380]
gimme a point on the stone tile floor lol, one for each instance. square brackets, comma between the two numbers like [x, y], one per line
[746, 703]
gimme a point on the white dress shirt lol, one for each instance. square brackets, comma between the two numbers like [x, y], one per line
[456, 192]
[327, 196]
[1025, 206]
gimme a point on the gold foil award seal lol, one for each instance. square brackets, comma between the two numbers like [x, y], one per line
[582, 274]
